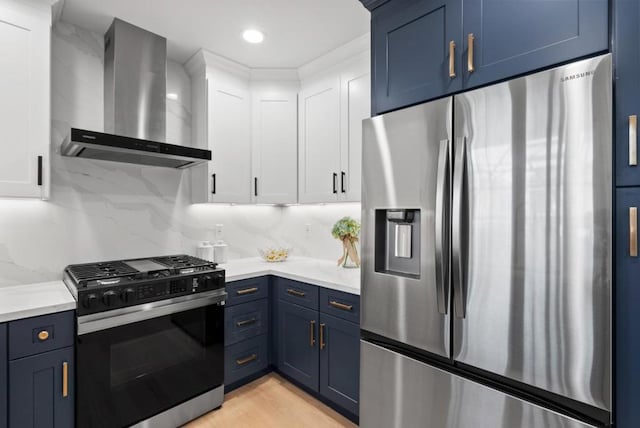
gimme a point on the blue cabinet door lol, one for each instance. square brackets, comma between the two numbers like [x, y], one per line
[515, 37]
[298, 343]
[340, 362]
[627, 89]
[37, 394]
[3, 375]
[410, 42]
[627, 303]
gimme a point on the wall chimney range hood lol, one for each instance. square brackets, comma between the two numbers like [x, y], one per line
[135, 86]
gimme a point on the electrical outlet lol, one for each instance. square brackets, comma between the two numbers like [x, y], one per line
[219, 230]
[307, 228]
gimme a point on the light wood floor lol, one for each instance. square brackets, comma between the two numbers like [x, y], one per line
[270, 402]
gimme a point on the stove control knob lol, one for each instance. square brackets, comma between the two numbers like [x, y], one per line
[109, 297]
[128, 295]
[89, 301]
[208, 281]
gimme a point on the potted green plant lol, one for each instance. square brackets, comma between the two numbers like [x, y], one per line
[347, 230]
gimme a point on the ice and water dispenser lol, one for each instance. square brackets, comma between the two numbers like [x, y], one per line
[397, 245]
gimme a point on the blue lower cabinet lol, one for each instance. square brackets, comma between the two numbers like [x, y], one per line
[3, 376]
[340, 362]
[246, 321]
[298, 344]
[41, 390]
[246, 358]
[627, 303]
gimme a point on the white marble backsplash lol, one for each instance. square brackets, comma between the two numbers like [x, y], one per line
[101, 210]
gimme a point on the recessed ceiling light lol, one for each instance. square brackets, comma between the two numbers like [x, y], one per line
[253, 36]
[172, 96]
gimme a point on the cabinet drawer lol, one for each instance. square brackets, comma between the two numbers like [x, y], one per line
[245, 358]
[247, 290]
[40, 334]
[246, 321]
[299, 293]
[340, 304]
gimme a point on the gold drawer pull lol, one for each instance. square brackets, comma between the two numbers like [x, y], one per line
[296, 292]
[470, 39]
[633, 231]
[322, 344]
[245, 322]
[65, 379]
[452, 59]
[341, 305]
[246, 291]
[312, 333]
[243, 361]
[43, 335]
[633, 140]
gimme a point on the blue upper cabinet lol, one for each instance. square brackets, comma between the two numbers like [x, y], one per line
[627, 99]
[412, 42]
[504, 38]
[414, 60]
[627, 338]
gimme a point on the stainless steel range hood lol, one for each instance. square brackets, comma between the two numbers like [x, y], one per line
[135, 86]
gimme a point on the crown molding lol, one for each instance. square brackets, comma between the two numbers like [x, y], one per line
[358, 46]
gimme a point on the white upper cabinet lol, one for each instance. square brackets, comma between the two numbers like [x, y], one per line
[330, 133]
[230, 141]
[355, 106]
[275, 142]
[319, 141]
[25, 33]
[221, 123]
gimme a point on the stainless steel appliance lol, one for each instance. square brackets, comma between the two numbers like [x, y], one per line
[487, 253]
[135, 90]
[150, 341]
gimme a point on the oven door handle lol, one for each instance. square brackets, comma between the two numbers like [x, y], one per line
[117, 317]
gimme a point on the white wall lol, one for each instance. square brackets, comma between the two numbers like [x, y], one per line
[101, 210]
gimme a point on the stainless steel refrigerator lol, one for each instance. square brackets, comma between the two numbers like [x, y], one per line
[487, 256]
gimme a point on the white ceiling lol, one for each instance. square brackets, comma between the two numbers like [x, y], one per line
[296, 31]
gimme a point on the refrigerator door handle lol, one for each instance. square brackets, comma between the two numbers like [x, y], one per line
[442, 228]
[457, 230]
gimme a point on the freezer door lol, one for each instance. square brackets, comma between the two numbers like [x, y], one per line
[531, 230]
[397, 391]
[405, 228]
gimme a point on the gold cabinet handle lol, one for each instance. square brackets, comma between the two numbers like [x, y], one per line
[65, 379]
[452, 59]
[341, 305]
[43, 335]
[243, 361]
[470, 39]
[633, 140]
[245, 322]
[633, 231]
[296, 292]
[322, 344]
[312, 333]
[246, 291]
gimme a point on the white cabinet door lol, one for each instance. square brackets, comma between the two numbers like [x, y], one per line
[275, 146]
[355, 106]
[24, 105]
[319, 142]
[229, 138]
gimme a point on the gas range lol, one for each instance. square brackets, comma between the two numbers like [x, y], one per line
[105, 286]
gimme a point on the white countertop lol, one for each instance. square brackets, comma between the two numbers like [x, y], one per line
[323, 273]
[25, 301]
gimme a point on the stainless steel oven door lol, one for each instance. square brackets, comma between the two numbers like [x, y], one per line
[136, 362]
